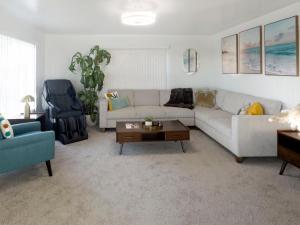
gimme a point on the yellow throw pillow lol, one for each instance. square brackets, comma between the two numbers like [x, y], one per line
[255, 109]
[109, 105]
[109, 96]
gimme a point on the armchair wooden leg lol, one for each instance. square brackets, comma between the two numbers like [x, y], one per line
[48, 164]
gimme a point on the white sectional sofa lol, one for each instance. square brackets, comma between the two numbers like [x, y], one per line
[243, 135]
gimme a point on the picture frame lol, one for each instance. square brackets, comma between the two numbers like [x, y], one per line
[281, 44]
[229, 46]
[250, 51]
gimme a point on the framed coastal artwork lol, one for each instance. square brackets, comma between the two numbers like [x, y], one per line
[250, 51]
[281, 47]
[229, 54]
[190, 61]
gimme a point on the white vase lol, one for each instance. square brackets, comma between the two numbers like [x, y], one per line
[89, 121]
[148, 123]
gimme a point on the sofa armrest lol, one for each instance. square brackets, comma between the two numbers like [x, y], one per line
[26, 127]
[103, 106]
[27, 139]
[255, 135]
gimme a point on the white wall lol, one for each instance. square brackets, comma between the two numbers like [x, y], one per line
[15, 28]
[54, 54]
[286, 89]
[60, 48]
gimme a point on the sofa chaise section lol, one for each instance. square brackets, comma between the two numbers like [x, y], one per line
[243, 135]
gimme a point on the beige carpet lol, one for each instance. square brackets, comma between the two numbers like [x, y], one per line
[152, 183]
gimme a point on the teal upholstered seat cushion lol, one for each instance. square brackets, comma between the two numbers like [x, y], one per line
[119, 103]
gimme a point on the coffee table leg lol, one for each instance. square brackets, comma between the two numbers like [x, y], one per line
[284, 163]
[182, 147]
[121, 149]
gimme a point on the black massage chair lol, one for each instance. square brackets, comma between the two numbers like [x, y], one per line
[64, 111]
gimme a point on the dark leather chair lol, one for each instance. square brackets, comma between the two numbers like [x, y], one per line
[64, 111]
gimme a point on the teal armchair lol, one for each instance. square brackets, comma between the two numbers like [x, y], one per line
[29, 146]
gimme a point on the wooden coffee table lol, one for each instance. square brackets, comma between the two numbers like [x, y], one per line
[172, 130]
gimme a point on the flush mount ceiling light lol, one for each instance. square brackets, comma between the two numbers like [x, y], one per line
[139, 13]
[138, 18]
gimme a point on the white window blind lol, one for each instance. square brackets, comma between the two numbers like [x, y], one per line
[137, 69]
[17, 74]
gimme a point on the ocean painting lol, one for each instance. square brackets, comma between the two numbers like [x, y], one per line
[229, 54]
[250, 51]
[281, 47]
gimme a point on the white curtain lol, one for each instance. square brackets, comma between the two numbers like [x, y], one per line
[137, 69]
[17, 74]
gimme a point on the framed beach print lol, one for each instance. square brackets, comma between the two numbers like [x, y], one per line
[281, 47]
[250, 51]
[190, 61]
[229, 54]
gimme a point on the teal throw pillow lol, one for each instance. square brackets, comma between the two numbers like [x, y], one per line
[119, 103]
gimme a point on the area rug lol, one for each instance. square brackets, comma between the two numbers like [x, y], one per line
[150, 184]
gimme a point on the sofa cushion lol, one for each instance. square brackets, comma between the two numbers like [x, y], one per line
[146, 97]
[204, 113]
[124, 113]
[153, 111]
[222, 125]
[174, 112]
[232, 102]
[217, 119]
[164, 96]
[220, 95]
[123, 93]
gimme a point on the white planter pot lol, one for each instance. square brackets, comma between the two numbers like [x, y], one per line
[148, 123]
[89, 121]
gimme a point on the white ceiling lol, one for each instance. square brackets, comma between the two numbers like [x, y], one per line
[178, 17]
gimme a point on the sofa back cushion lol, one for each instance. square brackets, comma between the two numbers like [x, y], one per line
[232, 102]
[125, 93]
[146, 97]
[164, 96]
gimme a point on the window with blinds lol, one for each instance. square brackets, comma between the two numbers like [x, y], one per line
[17, 74]
[137, 69]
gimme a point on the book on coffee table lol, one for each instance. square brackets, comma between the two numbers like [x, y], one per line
[132, 125]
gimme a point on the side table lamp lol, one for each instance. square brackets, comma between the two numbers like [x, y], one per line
[26, 100]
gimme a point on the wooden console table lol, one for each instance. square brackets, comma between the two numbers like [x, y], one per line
[288, 148]
[33, 117]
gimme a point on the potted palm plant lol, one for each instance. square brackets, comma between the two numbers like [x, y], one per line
[90, 67]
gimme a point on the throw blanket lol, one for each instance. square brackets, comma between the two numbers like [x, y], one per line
[182, 98]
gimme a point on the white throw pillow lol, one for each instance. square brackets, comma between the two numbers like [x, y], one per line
[6, 128]
[243, 110]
